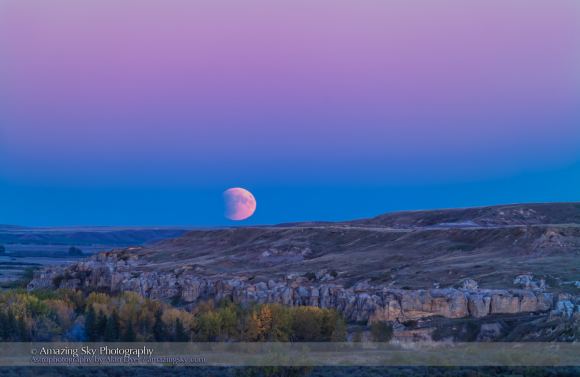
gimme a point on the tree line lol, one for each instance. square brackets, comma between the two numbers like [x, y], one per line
[70, 315]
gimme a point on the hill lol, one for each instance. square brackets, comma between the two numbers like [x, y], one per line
[395, 267]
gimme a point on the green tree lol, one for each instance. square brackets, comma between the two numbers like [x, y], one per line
[208, 326]
[330, 326]
[306, 324]
[3, 327]
[228, 320]
[159, 332]
[339, 332]
[180, 334]
[91, 325]
[23, 334]
[129, 334]
[281, 329]
[101, 325]
[112, 328]
[11, 325]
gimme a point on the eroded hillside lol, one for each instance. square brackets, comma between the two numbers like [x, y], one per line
[396, 267]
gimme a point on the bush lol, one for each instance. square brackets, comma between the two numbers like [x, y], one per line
[310, 276]
[382, 331]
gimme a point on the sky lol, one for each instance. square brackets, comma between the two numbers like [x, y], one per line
[126, 112]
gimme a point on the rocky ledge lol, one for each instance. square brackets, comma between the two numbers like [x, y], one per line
[115, 272]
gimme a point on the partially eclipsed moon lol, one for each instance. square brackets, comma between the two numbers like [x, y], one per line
[240, 203]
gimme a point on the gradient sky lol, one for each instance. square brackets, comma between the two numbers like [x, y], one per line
[126, 112]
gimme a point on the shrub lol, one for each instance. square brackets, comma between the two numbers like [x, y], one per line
[310, 276]
[382, 331]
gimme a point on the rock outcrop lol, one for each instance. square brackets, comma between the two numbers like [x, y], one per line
[117, 271]
[369, 270]
[527, 281]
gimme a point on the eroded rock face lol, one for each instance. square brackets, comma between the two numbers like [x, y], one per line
[469, 284]
[362, 302]
[479, 304]
[527, 281]
[566, 306]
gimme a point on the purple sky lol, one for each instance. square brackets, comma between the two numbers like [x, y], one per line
[295, 96]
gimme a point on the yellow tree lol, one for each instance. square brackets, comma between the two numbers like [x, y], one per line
[264, 322]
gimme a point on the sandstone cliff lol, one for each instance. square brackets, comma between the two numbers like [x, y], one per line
[400, 266]
[114, 272]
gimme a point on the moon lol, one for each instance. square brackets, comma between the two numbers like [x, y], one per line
[240, 203]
